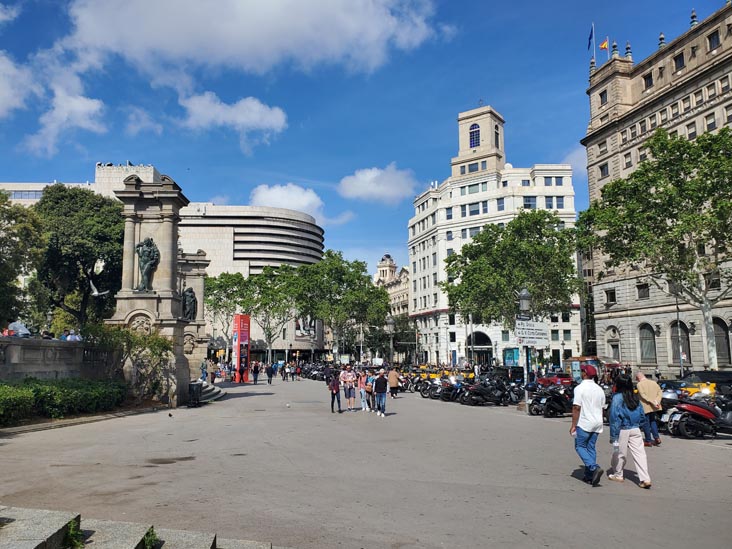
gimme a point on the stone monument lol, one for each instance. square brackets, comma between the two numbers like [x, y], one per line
[191, 275]
[150, 296]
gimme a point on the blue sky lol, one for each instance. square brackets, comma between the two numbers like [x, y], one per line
[345, 109]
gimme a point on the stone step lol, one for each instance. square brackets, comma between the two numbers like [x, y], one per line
[112, 534]
[241, 544]
[34, 528]
[183, 539]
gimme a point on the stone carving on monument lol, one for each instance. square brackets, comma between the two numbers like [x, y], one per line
[191, 276]
[190, 304]
[148, 259]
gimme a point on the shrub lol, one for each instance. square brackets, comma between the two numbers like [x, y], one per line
[16, 403]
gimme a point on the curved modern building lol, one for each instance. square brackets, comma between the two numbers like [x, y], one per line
[245, 239]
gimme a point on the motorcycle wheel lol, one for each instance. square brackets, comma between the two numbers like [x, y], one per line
[434, 393]
[504, 400]
[465, 399]
[411, 388]
[534, 409]
[424, 391]
[688, 430]
[550, 412]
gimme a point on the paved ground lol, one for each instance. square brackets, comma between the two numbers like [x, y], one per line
[428, 475]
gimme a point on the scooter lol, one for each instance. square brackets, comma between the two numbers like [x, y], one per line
[558, 401]
[696, 418]
[492, 392]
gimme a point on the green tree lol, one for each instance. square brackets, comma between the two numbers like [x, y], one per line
[672, 219]
[531, 252]
[20, 243]
[339, 292]
[221, 296]
[267, 299]
[84, 233]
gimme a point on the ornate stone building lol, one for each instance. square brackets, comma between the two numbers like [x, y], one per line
[683, 87]
[395, 283]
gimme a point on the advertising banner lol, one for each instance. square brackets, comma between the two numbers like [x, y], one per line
[242, 324]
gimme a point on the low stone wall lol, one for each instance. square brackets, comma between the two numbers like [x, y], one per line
[49, 359]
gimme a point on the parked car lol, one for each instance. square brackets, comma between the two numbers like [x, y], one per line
[558, 378]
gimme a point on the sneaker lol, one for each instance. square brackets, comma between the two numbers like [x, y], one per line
[596, 476]
[616, 478]
[382, 414]
[645, 484]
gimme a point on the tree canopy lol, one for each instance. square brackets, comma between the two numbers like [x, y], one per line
[84, 233]
[20, 245]
[221, 297]
[533, 251]
[672, 220]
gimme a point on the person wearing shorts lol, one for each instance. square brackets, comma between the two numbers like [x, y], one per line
[348, 380]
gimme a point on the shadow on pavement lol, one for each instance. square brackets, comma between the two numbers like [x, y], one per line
[229, 396]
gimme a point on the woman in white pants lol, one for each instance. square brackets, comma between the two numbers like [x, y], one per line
[626, 435]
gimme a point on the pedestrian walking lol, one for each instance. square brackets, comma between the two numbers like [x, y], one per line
[380, 386]
[393, 378]
[370, 395]
[269, 370]
[298, 371]
[362, 381]
[626, 420]
[212, 373]
[285, 372]
[255, 372]
[589, 400]
[650, 396]
[348, 380]
[334, 386]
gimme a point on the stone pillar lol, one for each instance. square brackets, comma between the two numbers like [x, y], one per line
[128, 259]
[167, 275]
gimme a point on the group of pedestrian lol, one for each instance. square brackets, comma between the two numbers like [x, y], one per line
[632, 424]
[373, 388]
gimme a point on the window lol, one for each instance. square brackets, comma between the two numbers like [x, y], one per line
[473, 189]
[642, 126]
[463, 191]
[674, 110]
[463, 210]
[450, 251]
[434, 302]
[434, 279]
[474, 136]
[484, 186]
[464, 234]
[648, 81]
[728, 114]
[484, 206]
[558, 181]
[679, 61]
[547, 181]
[603, 97]
[462, 170]
[451, 319]
[679, 331]
[549, 202]
[448, 236]
[501, 225]
[474, 208]
[647, 344]
[496, 137]
[452, 337]
[633, 131]
[530, 202]
[555, 335]
[434, 260]
[560, 202]
[448, 213]
[553, 318]
[721, 338]
[500, 204]
[691, 131]
[505, 183]
[472, 168]
[644, 291]
[483, 165]
[686, 103]
[624, 136]
[627, 157]
[565, 317]
[526, 183]
[567, 335]
[712, 90]
[473, 231]
[698, 98]
[601, 148]
[414, 303]
[604, 171]
[711, 122]
[713, 40]
[414, 266]
[664, 116]
[504, 335]
[724, 84]
[713, 281]
[642, 154]
[653, 121]
[414, 285]
[610, 297]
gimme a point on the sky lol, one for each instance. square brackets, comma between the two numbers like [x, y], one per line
[344, 109]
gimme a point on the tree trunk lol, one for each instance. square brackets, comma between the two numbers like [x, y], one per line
[706, 310]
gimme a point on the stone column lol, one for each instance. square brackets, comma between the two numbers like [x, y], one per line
[128, 257]
[166, 271]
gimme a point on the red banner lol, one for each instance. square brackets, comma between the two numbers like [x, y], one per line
[241, 346]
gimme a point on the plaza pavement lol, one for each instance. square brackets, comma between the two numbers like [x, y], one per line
[430, 474]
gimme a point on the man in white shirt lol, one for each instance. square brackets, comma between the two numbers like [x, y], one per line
[589, 400]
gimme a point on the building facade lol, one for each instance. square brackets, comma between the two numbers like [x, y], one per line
[483, 188]
[683, 87]
[395, 283]
[241, 239]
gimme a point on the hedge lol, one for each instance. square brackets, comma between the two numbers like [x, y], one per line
[56, 399]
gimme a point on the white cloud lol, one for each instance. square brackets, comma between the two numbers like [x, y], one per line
[298, 198]
[389, 185]
[139, 120]
[577, 158]
[8, 13]
[220, 199]
[245, 116]
[16, 84]
[68, 111]
[251, 35]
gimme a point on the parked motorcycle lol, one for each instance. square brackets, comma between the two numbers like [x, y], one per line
[558, 401]
[699, 416]
[488, 392]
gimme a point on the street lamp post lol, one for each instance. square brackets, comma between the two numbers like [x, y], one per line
[390, 330]
[525, 309]
[561, 356]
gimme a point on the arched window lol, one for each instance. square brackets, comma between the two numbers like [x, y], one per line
[647, 344]
[721, 338]
[497, 137]
[474, 136]
[684, 333]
